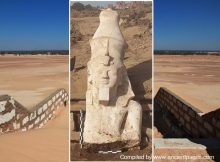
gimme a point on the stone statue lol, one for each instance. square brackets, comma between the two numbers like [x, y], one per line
[111, 115]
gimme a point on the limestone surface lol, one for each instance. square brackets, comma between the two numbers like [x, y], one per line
[111, 115]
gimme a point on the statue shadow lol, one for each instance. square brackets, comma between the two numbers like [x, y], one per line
[138, 74]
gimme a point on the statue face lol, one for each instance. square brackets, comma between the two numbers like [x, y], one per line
[107, 78]
[104, 72]
[104, 77]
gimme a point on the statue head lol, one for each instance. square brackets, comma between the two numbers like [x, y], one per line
[107, 76]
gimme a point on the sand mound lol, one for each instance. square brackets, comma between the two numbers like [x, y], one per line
[48, 144]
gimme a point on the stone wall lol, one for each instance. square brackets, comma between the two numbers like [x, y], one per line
[194, 122]
[15, 117]
[213, 117]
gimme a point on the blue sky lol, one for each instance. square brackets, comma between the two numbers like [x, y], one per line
[34, 24]
[187, 24]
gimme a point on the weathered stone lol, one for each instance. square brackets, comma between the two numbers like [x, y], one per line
[25, 120]
[7, 116]
[170, 96]
[182, 121]
[149, 132]
[199, 119]
[218, 124]
[171, 103]
[179, 103]
[185, 107]
[50, 102]
[209, 127]
[172, 111]
[176, 114]
[175, 107]
[186, 144]
[195, 132]
[33, 115]
[111, 115]
[194, 123]
[2, 106]
[30, 126]
[188, 127]
[37, 120]
[42, 117]
[40, 110]
[192, 113]
[187, 117]
[174, 100]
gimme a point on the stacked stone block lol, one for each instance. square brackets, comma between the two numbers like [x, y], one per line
[15, 117]
[214, 118]
[190, 118]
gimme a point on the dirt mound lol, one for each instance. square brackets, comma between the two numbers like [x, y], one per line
[85, 13]
[139, 16]
[76, 35]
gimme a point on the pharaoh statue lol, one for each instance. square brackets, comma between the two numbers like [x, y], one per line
[111, 114]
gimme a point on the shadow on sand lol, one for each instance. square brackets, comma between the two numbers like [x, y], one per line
[212, 146]
[138, 74]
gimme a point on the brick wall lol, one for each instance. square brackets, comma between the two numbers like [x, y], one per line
[15, 117]
[190, 118]
[213, 117]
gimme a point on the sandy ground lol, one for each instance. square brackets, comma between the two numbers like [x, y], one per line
[48, 144]
[29, 79]
[194, 78]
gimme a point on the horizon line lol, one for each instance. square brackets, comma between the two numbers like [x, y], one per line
[186, 50]
[37, 50]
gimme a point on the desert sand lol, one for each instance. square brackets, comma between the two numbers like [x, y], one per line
[194, 78]
[29, 79]
[47, 144]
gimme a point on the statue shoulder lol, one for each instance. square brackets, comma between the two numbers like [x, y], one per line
[133, 104]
